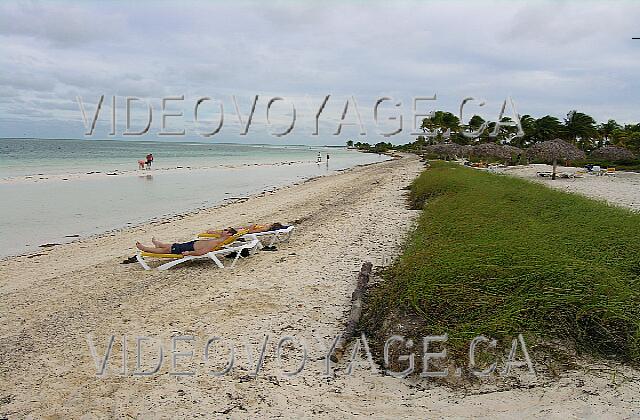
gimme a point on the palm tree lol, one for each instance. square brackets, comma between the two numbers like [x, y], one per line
[528, 124]
[606, 129]
[439, 123]
[580, 126]
[628, 137]
[505, 130]
[547, 128]
[476, 122]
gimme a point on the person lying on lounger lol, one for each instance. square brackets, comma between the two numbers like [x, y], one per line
[254, 228]
[194, 248]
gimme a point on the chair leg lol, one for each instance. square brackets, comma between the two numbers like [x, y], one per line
[142, 262]
[173, 263]
[216, 260]
[235, 260]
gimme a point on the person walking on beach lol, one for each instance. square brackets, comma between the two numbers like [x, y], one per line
[319, 159]
[141, 164]
[149, 160]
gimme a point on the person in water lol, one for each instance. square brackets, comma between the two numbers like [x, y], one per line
[254, 228]
[149, 160]
[194, 248]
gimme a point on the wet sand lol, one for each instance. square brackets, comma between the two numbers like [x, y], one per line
[92, 175]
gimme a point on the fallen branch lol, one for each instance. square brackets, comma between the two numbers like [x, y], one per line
[356, 311]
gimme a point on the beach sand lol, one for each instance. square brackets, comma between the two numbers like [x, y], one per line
[623, 189]
[50, 302]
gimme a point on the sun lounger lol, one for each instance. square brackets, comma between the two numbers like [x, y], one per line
[236, 247]
[267, 238]
[272, 237]
[231, 245]
[565, 175]
[596, 170]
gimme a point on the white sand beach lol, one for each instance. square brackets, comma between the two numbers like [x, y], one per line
[622, 189]
[51, 301]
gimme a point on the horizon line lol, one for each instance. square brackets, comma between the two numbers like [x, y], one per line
[170, 141]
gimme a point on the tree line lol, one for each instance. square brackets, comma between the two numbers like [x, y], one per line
[576, 128]
[380, 147]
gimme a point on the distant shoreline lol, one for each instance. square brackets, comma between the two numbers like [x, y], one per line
[144, 140]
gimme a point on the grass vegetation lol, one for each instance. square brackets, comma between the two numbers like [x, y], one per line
[498, 256]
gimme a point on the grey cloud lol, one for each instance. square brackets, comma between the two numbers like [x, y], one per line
[60, 24]
[550, 56]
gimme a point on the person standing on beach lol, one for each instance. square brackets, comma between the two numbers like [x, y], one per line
[149, 160]
[319, 159]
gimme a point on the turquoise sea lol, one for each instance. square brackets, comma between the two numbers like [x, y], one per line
[54, 191]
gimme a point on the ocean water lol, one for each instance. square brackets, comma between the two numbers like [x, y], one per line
[54, 191]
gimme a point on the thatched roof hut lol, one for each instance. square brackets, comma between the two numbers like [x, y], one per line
[465, 150]
[489, 150]
[493, 150]
[443, 150]
[512, 150]
[613, 153]
[554, 150]
[557, 149]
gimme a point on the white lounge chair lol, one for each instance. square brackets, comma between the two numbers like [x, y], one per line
[251, 245]
[272, 237]
[267, 238]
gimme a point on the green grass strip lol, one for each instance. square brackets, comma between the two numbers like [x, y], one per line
[498, 256]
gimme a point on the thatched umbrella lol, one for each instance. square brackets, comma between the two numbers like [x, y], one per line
[553, 150]
[493, 150]
[465, 150]
[512, 150]
[443, 150]
[613, 153]
[490, 150]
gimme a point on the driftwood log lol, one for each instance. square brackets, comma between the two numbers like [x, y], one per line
[356, 311]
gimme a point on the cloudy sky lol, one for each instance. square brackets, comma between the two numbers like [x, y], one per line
[550, 57]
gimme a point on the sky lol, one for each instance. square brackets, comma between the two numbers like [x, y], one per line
[549, 57]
